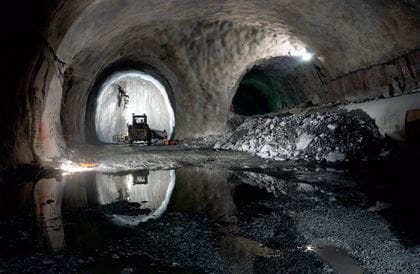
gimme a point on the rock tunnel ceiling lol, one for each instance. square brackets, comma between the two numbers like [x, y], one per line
[203, 50]
[332, 89]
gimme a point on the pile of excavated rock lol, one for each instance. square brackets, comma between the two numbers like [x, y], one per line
[329, 136]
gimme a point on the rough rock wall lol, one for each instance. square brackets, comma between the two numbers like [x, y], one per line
[300, 82]
[207, 60]
[206, 57]
[36, 135]
[202, 48]
[395, 77]
[347, 35]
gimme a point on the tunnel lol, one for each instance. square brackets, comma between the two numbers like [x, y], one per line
[210, 136]
[274, 84]
[125, 93]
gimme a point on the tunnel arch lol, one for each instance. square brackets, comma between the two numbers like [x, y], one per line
[127, 93]
[206, 45]
[279, 82]
[79, 126]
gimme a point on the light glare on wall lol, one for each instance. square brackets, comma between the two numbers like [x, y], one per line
[306, 56]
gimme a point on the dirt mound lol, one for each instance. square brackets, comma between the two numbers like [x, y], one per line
[329, 136]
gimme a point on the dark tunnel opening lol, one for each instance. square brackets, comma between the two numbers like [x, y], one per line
[274, 84]
[250, 101]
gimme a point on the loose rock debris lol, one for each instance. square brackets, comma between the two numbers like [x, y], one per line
[330, 136]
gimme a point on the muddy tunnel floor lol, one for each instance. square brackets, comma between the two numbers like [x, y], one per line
[232, 213]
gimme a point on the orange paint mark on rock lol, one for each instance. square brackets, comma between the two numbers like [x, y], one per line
[43, 131]
[87, 164]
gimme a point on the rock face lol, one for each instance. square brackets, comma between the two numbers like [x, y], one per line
[330, 136]
[293, 82]
[200, 51]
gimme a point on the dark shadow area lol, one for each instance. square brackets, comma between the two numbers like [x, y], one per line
[23, 23]
[395, 183]
[275, 84]
[249, 101]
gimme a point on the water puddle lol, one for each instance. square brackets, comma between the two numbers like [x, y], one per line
[144, 189]
[165, 221]
[338, 259]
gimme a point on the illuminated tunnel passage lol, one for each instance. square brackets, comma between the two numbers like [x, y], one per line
[131, 92]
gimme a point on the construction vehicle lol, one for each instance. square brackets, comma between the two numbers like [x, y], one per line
[139, 131]
[140, 177]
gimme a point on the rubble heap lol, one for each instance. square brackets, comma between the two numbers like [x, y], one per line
[331, 136]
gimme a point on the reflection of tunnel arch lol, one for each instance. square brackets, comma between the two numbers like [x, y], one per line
[274, 84]
[90, 189]
[156, 193]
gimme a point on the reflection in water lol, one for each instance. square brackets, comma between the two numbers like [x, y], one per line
[338, 259]
[241, 253]
[197, 190]
[151, 189]
[205, 191]
[211, 192]
[100, 207]
[48, 196]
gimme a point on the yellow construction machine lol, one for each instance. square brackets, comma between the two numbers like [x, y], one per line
[139, 131]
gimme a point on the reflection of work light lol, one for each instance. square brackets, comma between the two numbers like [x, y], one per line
[140, 120]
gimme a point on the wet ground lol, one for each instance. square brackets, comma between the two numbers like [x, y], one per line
[228, 214]
[119, 157]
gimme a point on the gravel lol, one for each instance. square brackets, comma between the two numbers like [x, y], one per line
[279, 211]
[333, 136]
[363, 234]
